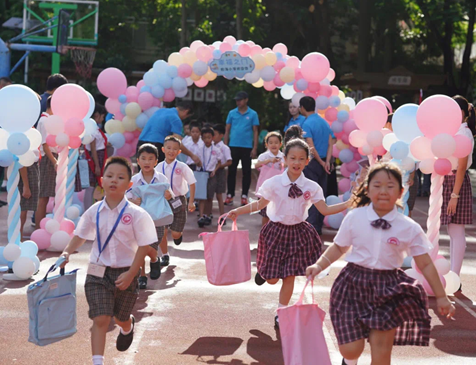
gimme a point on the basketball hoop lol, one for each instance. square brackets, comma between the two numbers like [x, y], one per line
[83, 59]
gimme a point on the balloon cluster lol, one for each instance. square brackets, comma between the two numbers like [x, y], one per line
[22, 257]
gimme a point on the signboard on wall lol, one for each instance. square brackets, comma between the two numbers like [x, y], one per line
[231, 64]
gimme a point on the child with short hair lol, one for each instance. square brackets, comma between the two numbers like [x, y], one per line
[122, 233]
[147, 159]
[372, 297]
[210, 156]
[181, 178]
[226, 160]
[194, 143]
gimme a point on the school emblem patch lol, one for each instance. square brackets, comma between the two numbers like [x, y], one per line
[214, 153]
[307, 195]
[178, 171]
[126, 219]
[394, 241]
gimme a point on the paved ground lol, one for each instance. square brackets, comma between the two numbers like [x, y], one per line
[182, 319]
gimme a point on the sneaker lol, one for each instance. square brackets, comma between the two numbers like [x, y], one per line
[165, 260]
[244, 200]
[202, 221]
[123, 342]
[142, 282]
[276, 322]
[259, 279]
[229, 200]
[155, 270]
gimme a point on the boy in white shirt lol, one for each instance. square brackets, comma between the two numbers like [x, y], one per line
[194, 143]
[210, 156]
[226, 160]
[147, 159]
[122, 233]
[180, 177]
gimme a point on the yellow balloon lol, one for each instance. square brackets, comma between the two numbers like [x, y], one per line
[190, 57]
[195, 77]
[287, 74]
[341, 145]
[259, 61]
[341, 95]
[133, 110]
[210, 75]
[129, 124]
[114, 126]
[343, 107]
[175, 59]
[270, 58]
[258, 83]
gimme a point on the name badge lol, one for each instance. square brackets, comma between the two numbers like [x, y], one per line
[96, 270]
[176, 203]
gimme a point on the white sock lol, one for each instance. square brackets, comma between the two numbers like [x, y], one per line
[281, 305]
[350, 362]
[457, 246]
[98, 360]
[126, 333]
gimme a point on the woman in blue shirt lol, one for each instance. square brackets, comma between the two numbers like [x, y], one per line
[296, 118]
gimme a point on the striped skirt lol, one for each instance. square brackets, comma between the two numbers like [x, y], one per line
[464, 208]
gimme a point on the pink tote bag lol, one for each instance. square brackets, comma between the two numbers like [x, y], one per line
[227, 256]
[302, 337]
[266, 173]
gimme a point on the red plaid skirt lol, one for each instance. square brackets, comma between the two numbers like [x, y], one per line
[287, 250]
[464, 208]
[363, 299]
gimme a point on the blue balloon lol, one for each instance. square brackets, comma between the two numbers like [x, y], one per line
[334, 101]
[36, 261]
[200, 68]
[80, 207]
[322, 102]
[28, 249]
[151, 78]
[179, 84]
[399, 150]
[347, 195]
[335, 220]
[302, 84]
[141, 120]
[18, 143]
[122, 98]
[123, 108]
[165, 81]
[117, 140]
[332, 199]
[279, 56]
[157, 91]
[404, 123]
[337, 127]
[144, 89]
[6, 158]
[172, 71]
[216, 54]
[160, 67]
[343, 116]
[346, 155]
[50, 215]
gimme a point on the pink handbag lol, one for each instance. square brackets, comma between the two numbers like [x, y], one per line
[302, 337]
[267, 173]
[227, 256]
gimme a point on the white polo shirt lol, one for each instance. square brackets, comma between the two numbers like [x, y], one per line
[225, 152]
[136, 228]
[138, 180]
[376, 248]
[193, 147]
[210, 156]
[183, 176]
[284, 209]
[99, 139]
[268, 154]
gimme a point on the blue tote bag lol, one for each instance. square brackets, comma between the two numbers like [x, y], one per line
[52, 306]
[201, 185]
[154, 202]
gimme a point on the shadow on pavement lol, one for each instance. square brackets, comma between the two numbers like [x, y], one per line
[264, 349]
[215, 347]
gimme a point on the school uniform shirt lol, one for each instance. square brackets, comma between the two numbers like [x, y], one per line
[182, 176]
[136, 228]
[268, 154]
[41, 128]
[281, 207]
[241, 132]
[138, 180]
[465, 131]
[99, 139]
[193, 147]
[225, 152]
[210, 156]
[376, 248]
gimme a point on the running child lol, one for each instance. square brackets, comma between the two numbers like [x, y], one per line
[122, 233]
[181, 178]
[372, 298]
[147, 159]
[287, 244]
[226, 160]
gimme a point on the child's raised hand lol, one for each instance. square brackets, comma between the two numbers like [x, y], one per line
[313, 271]
[445, 307]
[167, 195]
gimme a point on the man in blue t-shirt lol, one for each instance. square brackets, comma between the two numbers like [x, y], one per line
[242, 138]
[319, 136]
[165, 122]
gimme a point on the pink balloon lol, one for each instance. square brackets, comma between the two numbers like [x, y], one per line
[184, 50]
[118, 116]
[124, 151]
[370, 115]
[145, 100]
[41, 238]
[442, 166]
[230, 39]
[67, 226]
[51, 140]
[358, 138]
[312, 95]
[344, 185]
[157, 103]
[325, 90]
[292, 62]
[349, 126]
[335, 90]
[169, 95]
[196, 45]
[50, 206]
[331, 75]
[357, 155]
[421, 148]
[70, 101]
[74, 127]
[81, 195]
[385, 101]
[335, 151]
[438, 114]
[112, 82]
[202, 82]
[113, 105]
[140, 84]
[380, 150]
[315, 67]
[74, 142]
[225, 46]
[266, 50]
[385, 131]
[344, 171]
[43, 222]
[279, 65]
[129, 136]
[345, 138]
[277, 81]
[281, 48]
[244, 50]
[204, 53]
[339, 135]
[256, 50]
[297, 73]
[331, 114]
[132, 94]
[185, 70]
[326, 221]
[463, 146]
[352, 166]
[269, 85]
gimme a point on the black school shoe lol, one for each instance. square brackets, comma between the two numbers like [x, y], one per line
[276, 322]
[142, 282]
[165, 260]
[259, 279]
[155, 270]
[178, 241]
[123, 342]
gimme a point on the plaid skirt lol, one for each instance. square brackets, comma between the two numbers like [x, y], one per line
[160, 234]
[180, 216]
[104, 299]
[464, 208]
[31, 203]
[92, 176]
[47, 177]
[263, 212]
[287, 250]
[363, 299]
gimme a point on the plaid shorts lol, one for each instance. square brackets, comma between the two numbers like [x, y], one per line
[464, 208]
[160, 235]
[104, 299]
[180, 216]
[47, 177]
[363, 299]
[221, 181]
[287, 250]
[211, 186]
[31, 203]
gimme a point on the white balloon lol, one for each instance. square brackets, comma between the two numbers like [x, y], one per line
[24, 267]
[408, 164]
[28, 159]
[72, 213]
[182, 93]
[59, 241]
[442, 266]
[35, 138]
[62, 139]
[92, 106]
[36, 260]
[11, 252]
[252, 77]
[3, 139]
[296, 97]
[349, 102]
[189, 81]
[388, 140]
[87, 139]
[52, 226]
[287, 92]
[90, 126]
[452, 282]
[20, 108]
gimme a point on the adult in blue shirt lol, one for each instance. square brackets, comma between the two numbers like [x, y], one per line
[242, 137]
[165, 122]
[296, 118]
[319, 136]
[52, 83]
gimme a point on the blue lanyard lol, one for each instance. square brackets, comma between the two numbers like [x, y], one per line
[171, 175]
[151, 181]
[209, 158]
[98, 237]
